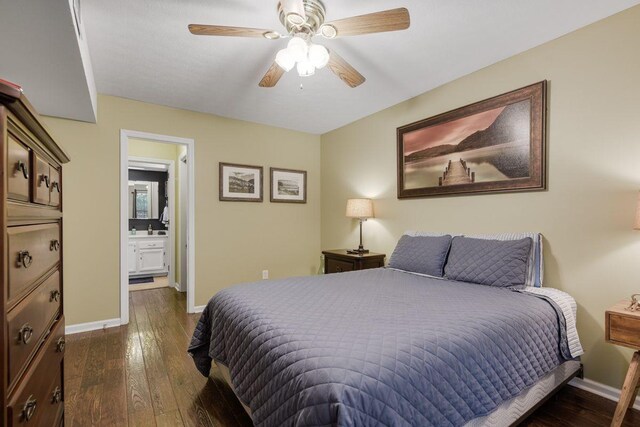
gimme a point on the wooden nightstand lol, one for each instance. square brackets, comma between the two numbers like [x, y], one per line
[622, 327]
[338, 261]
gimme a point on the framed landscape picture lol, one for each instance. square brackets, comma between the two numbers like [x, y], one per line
[240, 183]
[496, 145]
[288, 186]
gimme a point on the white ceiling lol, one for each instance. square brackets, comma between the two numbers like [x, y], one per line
[40, 50]
[141, 49]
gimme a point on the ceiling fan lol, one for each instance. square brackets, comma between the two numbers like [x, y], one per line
[304, 20]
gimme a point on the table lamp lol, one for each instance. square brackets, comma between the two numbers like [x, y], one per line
[362, 209]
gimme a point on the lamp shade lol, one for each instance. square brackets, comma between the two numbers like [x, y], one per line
[359, 208]
[636, 224]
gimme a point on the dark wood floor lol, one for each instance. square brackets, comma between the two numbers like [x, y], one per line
[141, 375]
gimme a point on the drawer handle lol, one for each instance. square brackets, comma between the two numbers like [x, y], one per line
[25, 333]
[339, 269]
[55, 245]
[56, 186]
[45, 178]
[60, 344]
[22, 166]
[55, 296]
[29, 408]
[56, 396]
[25, 259]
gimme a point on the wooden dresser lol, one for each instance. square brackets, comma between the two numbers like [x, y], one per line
[32, 333]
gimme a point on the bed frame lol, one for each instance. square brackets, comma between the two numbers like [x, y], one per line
[510, 413]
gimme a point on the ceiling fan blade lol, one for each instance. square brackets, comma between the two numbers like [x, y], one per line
[272, 76]
[344, 70]
[379, 22]
[219, 30]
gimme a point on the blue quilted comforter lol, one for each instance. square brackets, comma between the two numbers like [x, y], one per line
[377, 347]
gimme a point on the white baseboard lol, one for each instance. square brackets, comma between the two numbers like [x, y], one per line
[199, 308]
[91, 326]
[600, 389]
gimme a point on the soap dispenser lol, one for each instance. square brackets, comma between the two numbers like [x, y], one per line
[150, 230]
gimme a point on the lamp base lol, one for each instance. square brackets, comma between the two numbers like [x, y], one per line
[358, 251]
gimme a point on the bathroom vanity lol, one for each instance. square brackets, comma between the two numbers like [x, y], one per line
[147, 254]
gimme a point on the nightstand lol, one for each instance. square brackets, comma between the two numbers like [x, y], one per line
[622, 327]
[338, 261]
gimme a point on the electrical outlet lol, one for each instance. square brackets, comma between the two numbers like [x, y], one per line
[265, 274]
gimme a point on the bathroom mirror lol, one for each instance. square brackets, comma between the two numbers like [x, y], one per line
[143, 200]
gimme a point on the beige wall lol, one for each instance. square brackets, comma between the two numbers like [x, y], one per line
[234, 241]
[594, 149]
[159, 150]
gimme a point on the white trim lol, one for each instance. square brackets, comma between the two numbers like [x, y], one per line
[124, 219]
[91, 326]
[600, 389]
[198, 309]
[172, 209]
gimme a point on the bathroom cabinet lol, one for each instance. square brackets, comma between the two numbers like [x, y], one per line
[147, 255]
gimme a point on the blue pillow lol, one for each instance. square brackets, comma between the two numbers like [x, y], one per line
[501, 263]
[421, 254]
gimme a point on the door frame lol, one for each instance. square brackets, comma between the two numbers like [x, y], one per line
[171, 189]
[124, 217]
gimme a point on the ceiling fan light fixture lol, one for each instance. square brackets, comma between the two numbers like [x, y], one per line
[318, 55]
[328, 31]
[285, 60]
[306, 68]
[298, 49]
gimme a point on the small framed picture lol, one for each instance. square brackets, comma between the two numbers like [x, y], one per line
[240, 183]
[288, 186]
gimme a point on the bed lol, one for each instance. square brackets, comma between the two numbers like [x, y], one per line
[388, 347]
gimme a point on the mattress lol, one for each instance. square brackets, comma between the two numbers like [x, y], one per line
[378, 347]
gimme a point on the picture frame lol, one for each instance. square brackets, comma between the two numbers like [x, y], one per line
[240, 183]
[288, 186]
[493, 146]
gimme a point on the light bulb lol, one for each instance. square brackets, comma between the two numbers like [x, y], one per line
[298, 49]
[285, 60]
[306, 68]
[318, 55]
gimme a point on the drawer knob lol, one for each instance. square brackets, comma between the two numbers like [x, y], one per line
[55, 296]
[25, 333]
[339, 269]
[60, 344]
[56, 186]
[29, 408]
[25, 259]
[55, 245]
[56, 396]
[45, 178]
[22, 166]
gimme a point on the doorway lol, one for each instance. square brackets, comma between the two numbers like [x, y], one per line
[181, 236]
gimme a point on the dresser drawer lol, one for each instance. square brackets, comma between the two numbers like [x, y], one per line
[55, 187]
[624, 330]
[29, 322]
[40, 394]
[18, 170]
[32, 251]
[41, 181]
[338, 266]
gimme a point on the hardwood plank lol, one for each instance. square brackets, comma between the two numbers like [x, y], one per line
[114, 394]
[87, 411]
[170, 419]
[144, 418]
